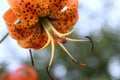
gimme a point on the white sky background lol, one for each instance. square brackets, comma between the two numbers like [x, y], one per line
[93, 15]
[96, 13]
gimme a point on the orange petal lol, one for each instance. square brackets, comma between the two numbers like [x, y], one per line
[64, 25]
[42, 7]
[20, 33]
[9, 16]
[16, 31]
[37, 40]
[64, 8]
[24, 11]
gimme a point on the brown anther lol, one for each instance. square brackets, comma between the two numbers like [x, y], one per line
[92, 43]
[49, 74]
[80, 64]
[32, 60]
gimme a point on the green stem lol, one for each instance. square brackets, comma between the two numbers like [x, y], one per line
[4, 37]
[46, 24]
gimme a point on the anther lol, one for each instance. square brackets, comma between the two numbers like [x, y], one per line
[49, 74]
[80, 64]
[92, 48]
[32, 60]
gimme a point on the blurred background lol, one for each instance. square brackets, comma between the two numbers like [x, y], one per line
[99, 19]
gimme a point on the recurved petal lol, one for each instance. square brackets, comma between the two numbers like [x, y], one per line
[42, 7]
[35, 41]
[24, 11]
[64, 9]
[9, 17]
[16, 31]
[65, 24]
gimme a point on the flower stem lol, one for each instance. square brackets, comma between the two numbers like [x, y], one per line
[46, 24]
[4, 37]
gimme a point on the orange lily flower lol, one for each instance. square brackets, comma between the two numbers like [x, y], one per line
[24, 73]
[38, 23]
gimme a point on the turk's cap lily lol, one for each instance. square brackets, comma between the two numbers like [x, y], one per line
[31, 34]
[38, 23]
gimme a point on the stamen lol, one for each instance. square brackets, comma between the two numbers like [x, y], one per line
[49, 74]
[80, 64]
[60, 34]
[32, 60]
[68, 53]
[60, 38]
[76, 40]
[50, 27]
[52, 54]
[52, 43]
[92, 48]
[4, 37]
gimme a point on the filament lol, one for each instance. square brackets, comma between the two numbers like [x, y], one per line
[92, 48]
[32, 60]
[52, 54]
[76, 40]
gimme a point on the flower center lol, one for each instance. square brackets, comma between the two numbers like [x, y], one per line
[53, 33]
[60, 38]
